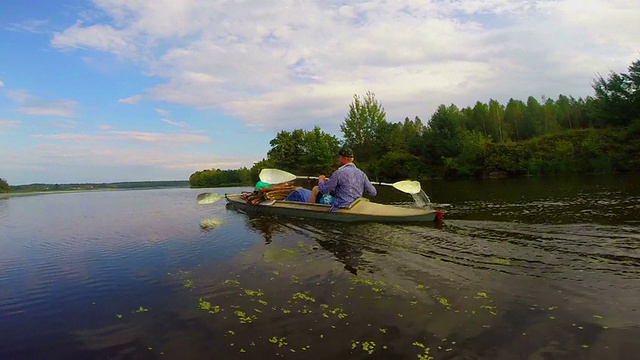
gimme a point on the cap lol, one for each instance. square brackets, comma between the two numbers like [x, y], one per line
[346, 152]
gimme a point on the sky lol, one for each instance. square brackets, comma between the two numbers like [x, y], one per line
[135, 90]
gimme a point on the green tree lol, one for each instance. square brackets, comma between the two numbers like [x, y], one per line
[412, 131]
[617, 98]
[303, 151]
[479, 118]
[217, 177]
[443, 137]
[287, 150]
[534, 119]
[361, 128]
[499, 129]
[4, 186]
[514, 115]
[550, 122]
[319, 154]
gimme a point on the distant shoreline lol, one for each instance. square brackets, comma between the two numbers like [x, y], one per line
[49, 188]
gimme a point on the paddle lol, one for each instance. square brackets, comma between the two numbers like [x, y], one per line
[277, 176]
[209, 198]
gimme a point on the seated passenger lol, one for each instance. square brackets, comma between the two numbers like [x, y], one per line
[348, 182]
[303, 195]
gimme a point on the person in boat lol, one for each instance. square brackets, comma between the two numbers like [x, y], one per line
[303, 195]
[348, 182]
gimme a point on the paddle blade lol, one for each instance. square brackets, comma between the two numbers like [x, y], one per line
[209, 198]
[276, 176]
[408, 186]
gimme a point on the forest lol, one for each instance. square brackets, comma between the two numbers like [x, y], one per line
[598, 134]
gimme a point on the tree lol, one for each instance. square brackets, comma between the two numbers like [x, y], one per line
[499, 129]
[533, 120]
[361, 127]
[319, 154]
[550, 111]
[4, 186]
[303, 151]
[287, 149]
[479, 118]
[617, 98]
[412, 131]
[514, 115]
[443, 137]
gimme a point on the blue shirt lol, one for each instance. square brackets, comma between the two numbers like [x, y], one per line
[349, 183]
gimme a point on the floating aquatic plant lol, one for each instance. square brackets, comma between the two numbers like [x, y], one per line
[253, 292]
[302, 296]
[425, 355]
[502, 261]
[188, 284]
[279, 341]
[141, 309]
[367, 346]
[206, 306]
[244, 318]
[444, 302]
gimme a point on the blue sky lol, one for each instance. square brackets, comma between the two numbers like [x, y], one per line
[130, 90]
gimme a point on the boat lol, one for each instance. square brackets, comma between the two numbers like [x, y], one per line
[361, 210]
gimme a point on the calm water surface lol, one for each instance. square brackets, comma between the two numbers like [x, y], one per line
[536, 268]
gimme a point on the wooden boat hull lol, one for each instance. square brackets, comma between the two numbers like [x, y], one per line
[361, 210]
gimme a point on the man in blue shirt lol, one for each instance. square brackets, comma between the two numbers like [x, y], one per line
[348, 182]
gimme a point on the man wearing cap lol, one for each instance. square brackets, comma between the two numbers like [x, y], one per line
[348, 182]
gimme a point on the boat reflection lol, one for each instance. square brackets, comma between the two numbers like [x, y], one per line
[339, 239]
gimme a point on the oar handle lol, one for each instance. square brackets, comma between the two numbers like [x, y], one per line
[381, 183]
[316, 178]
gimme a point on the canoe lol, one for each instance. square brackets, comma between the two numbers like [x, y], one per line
[360, 211]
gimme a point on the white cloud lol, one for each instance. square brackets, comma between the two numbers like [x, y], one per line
[63, 124]
[162, 112]
[129, 137]
[35, 26]
[99, 37]
[6, 125]
[175, 123]
[19, 96]
[32, 105]
[276, 64]
[131, 100]
[1, 83]
[64, 108]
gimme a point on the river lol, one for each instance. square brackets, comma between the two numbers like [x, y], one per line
[529, 268]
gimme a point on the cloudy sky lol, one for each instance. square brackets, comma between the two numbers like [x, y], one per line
[128, 90]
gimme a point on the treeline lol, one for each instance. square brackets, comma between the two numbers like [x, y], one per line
[96, 186]
[220, 178]
[600, 133]
[4, 186]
